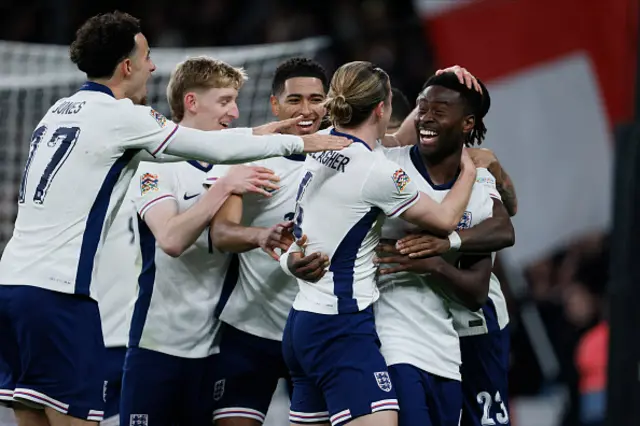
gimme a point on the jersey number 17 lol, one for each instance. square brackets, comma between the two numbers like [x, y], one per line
[64, 140]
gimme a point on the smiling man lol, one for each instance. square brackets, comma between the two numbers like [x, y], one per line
[250, 361]
[442, 320]
[298, 89]
[167, 372]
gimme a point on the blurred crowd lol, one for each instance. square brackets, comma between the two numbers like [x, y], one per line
[387, 33]
[568, 289]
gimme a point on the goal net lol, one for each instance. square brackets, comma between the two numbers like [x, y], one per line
[33, 77]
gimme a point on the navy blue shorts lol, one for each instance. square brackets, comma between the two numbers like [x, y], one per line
[485, 381]
[247, 371]
[337, 369]
[166, 390]
[51, 351]
[424, 398]
[114, 365]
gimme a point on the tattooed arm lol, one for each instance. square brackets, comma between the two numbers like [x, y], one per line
[507, 191]
[485, 158]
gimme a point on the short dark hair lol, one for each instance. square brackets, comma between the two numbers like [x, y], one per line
[102, 42]
[476, 104]
[297, 67]
[400, 106]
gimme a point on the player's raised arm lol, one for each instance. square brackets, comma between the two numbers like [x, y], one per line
[485, 158]
[507, 190]
[443, 218]
[391, 189]
[145, 128]
[493, 234]
[405, 135]
[219, 148]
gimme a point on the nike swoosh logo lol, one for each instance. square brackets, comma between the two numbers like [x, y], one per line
[188, 197]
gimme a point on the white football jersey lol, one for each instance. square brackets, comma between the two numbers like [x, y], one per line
[412, 319]
[117, 274]
[262, 297]
[174, 310]
[75, 178]
[339, 206]
[494, 315]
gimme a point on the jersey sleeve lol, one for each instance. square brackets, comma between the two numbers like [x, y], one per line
[145, 128]
[486, 179]
[389, 188]
[153, 184]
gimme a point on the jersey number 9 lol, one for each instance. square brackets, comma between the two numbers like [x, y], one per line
[297, 216]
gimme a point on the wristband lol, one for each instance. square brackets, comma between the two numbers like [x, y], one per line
[454, 241]
[283, 263]
[295, 248]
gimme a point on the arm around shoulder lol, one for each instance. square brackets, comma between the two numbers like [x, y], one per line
[405, 135]
[442, 218]
[142, 127]
[231, 146]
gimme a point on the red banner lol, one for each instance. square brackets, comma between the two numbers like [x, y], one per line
[495, 38]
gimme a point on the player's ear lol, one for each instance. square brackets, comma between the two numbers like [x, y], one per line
[190, 102]
[126, 66]
[379, 110]
[468, 123]
[275, 105]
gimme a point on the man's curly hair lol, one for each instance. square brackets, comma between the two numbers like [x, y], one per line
[102, 42]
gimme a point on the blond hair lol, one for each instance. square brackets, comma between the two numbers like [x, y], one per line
[200, 73]
[356, 89]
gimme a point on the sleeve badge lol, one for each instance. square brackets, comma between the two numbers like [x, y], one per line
[400, 180]
[148, 183]
[160, 119]
[486, 180]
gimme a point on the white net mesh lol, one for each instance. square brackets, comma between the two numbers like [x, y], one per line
[33, 77]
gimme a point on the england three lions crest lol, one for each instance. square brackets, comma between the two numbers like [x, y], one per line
[383, 380]
[218, 390]
[465, 221]
[139, 420]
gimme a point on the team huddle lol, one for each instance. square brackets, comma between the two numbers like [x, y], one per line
[172, 272]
